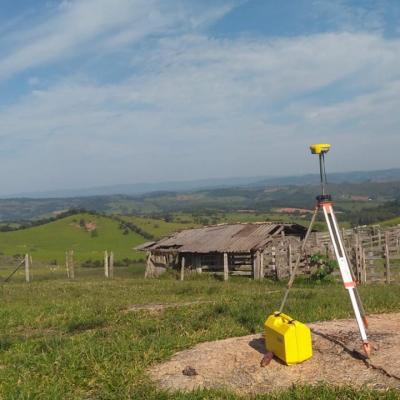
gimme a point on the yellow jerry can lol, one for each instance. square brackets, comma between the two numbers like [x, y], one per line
[288, 339]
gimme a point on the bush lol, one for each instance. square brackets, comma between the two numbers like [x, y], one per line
[92, 264]
[324, 268]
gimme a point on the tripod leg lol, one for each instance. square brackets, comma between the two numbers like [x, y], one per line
[360, 305]
[345, 271]
[296, 265]
[356, 293]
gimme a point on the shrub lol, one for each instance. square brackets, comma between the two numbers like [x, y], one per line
[324, 267]
[92, 264]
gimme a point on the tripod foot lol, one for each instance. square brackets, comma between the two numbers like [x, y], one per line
[367, 349]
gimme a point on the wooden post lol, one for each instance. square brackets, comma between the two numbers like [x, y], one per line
[197, 262]
[273, 261]
[106, 269]
[149, 273]
[67, 263]
[364, 267]
[226, 267]
[111, 265]
[387, 258]
[71, 264]
[27, 275]
[182, 268]
[357, 257]
[255, 266]
[261, 265]
[289, 255]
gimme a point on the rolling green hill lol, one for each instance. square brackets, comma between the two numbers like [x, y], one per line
[158, 227]
[87, 234]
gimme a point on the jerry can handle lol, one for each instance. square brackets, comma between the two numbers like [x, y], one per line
[285, 317]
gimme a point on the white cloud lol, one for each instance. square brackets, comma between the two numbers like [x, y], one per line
[208, 107]
[97, 27]
[192, 105]
[350, 16]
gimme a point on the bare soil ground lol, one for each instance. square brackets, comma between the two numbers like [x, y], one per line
[235, 363]
[162, 306]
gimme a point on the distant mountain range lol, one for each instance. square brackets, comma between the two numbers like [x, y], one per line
[388, 175]
[353, 192]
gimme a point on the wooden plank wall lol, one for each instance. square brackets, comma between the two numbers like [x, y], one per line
[374, 254]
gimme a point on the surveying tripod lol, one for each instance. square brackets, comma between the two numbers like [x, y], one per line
[324, 202]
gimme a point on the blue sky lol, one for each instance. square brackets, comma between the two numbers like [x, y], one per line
[98, 92]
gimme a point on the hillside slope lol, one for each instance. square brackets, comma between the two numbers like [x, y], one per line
[87, 234]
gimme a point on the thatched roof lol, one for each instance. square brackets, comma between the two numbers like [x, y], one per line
[229, 238]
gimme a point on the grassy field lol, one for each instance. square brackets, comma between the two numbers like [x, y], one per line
[158, 227]
[391, 222]
[50, 241]
[90, 234]
[64, 339]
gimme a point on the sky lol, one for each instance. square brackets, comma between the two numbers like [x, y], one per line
[103, 92]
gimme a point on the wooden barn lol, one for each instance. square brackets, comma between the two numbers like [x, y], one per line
[237, 249]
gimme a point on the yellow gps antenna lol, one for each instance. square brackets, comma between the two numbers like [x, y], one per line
[324, 203]
[321, 149]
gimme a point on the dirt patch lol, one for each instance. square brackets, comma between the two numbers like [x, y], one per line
[162, 306]
[87, 226]
[29, 332]
[235, 363]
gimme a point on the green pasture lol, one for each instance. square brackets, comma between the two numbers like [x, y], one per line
[62, 339]
[390, 222]
[48, 243]
[158, 227]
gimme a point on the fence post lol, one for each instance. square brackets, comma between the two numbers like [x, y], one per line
[356, 258]
[67, 263]
[71, 264]
[106, 270]
[364, 267]
[273, 262]
[387, 259]
[226, 267]
[111, 265]
[289, 254]
[27, 274]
